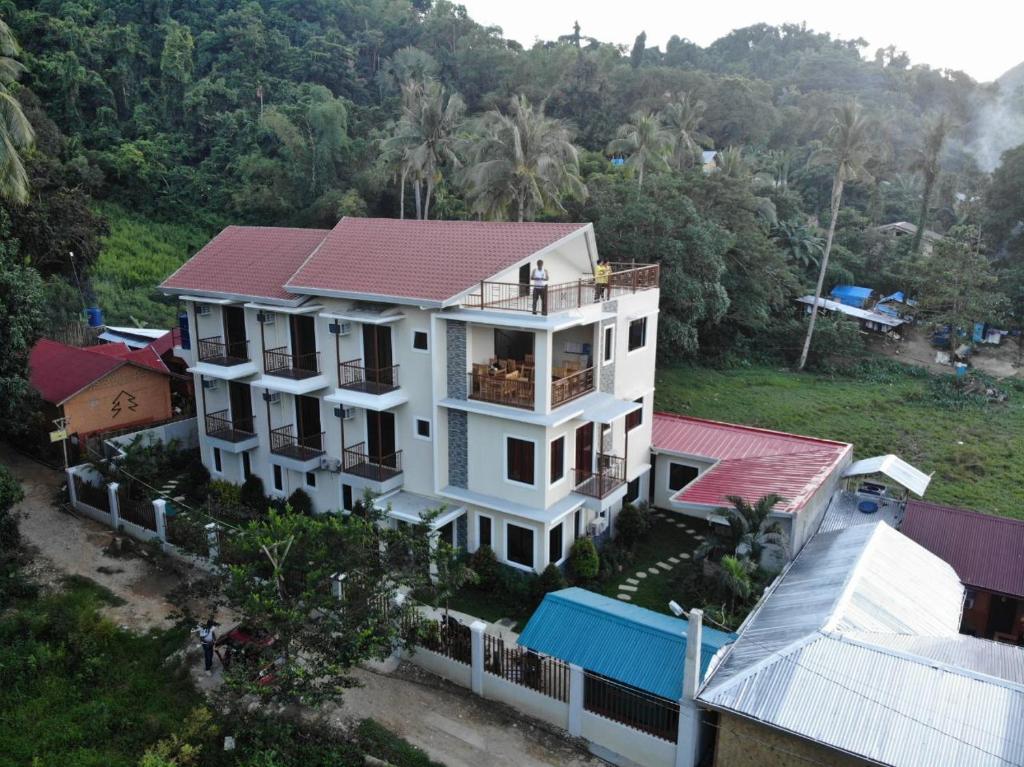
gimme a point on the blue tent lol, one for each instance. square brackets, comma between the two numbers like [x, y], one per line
[851, 295]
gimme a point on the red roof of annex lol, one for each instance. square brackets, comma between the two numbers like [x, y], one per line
[58, 371]
[749, 462]
[986, 551]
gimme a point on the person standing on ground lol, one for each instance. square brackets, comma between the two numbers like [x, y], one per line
[601, 274]
[207, 638]
[540, 287]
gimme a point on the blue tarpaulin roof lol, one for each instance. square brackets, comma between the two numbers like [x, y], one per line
[851, 295]
[624, 642]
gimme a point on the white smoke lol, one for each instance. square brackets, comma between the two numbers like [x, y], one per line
[998, 126]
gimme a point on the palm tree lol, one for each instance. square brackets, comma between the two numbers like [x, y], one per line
[750, 529]
[424, 138]
[682, 121]
[520, 162]
[802, 246]
[735, 578]
[645, 141]
[926, 162]
[848, 148]
[732, 163]
[15, 130]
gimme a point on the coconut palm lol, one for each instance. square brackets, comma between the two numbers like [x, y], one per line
[801, 245]
[682, 121]
[735, 577]
[519, 163]
[645, 142]
[16, 132]
[732, 163]
[926, 162]
[749, 530]
[848, 148]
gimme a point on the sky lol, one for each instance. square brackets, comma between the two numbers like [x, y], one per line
[981, 38]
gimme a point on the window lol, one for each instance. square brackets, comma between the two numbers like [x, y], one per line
[484, 531]
[310, 479]
[638, 334]
[635, 418]
[447, 534]
[278, 478]
[609, 343]
[555, 543]
[576, 520]
[680, 475]
[519, 545]
[557, 459]
[419, 340]
[246, 465]
[632, 491]
[519, 460]
[423, 428]
[217, 465]
[346, 497]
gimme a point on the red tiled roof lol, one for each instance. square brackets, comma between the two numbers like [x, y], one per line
[250, 261]
[987, 552]
[426, 260]
[58, 371]
[750, 462]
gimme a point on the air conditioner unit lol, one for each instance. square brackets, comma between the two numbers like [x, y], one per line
[211, 384]
[332, 465]
[347, 413]
[340, 328]
[597, 526]
[272, 397]
[265, 318]
[202, 310]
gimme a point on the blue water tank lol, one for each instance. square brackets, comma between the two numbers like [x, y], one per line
[95, 315]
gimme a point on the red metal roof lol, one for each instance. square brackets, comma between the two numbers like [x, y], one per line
[987, 552]
[248, 261]
[750, 462]
[58, 371]
[425, 260]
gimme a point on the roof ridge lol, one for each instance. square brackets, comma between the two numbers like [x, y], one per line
[745, 427]
[568, 602]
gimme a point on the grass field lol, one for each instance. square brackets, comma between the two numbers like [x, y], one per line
[976, 454]
[138, 255]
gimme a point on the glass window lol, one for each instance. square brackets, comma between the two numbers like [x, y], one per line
[680, 475]
[346, 497]
[310, 479]
[423, 428]
[485, 531]
[632, 491]
[576, 520]
[419, 340]
[278, 478]
[638, 333]
[555, 543]
[217, 466]
[519, 545]
[609, 343]
[635, 418]
[519, 460]
[246, 465]
[557, 459]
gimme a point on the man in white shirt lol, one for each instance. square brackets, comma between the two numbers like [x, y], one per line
[207, 637]
[539, 278]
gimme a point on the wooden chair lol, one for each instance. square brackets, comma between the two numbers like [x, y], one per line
[528, 360]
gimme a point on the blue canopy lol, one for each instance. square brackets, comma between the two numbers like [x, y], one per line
[851, 295]
[624, 642]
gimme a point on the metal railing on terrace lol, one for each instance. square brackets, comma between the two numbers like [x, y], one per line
[216, 351]
[220, 425]
[352, 375]
[283, 363]
[610, 475]
[356, 460]
[626, 278]
[285, 442]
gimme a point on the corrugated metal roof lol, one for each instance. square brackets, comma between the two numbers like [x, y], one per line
[853, 311]
[751, 462]
[895, 468]
[987, 552]
[627, 643]
[857, 647]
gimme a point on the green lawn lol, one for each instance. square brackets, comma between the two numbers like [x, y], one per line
[975, 453]
[138, 255]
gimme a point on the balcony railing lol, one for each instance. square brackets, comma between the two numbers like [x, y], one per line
[352, 375]
[281, 362]
[355, 460]
[570, 387]
[305, 447]
[610, 475]
[502, 390]
[220, 425]
[218, 352]
[626, 278]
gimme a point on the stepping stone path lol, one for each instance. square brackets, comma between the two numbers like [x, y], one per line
[654, 571]
[664, 566]
[624, 587]
[631, 585]
[691, 531]
[699, 537]
[625, 597]
[684, 555]
[673, 560]
[641, 575]
[632, 581]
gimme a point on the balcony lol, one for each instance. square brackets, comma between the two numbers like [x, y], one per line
[569, 384]
[301, 452]
[381, 470]
[215, 351]
[235, 434]
[354, 377]
[282, 363]
[512, 384]
[625, 279]
[610, 476]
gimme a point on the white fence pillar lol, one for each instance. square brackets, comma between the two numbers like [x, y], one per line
[476, 636]
[338, 585]
[213, 540]
[160, 519]
[72, 493]
[575, 700]
[115, 510]
[688, 734]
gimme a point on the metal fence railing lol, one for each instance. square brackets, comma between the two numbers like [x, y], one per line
[446, 637]
[356, 460]
[633, 707]
[281, 362]
[353, 375]
[137, 511]
[543, 674]
[217, 351]
[93, 495]
[611, 474]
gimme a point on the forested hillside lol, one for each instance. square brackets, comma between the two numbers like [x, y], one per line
[282, 112]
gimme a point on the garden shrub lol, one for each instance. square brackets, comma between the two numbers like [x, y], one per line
[300, 502]
[252, 496]
[197, 481]
[614, 558]
[552, 579]
[485, 564]
[583, 560]
[632, 525]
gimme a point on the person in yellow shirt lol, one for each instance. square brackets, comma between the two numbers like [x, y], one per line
[601, 274]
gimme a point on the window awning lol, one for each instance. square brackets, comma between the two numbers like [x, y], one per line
[410, 507]
[895, 468]
[605, 408]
